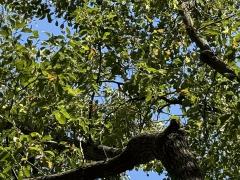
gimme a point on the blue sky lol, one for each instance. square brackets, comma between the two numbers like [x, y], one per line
[140, 175]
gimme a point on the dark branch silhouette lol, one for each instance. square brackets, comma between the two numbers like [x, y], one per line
[169, 146]
[207, 55]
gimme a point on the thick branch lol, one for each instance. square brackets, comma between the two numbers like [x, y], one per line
[99, 152]
[206, 56]
[170, 147]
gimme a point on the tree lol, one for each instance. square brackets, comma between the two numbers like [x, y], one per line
[94, 101]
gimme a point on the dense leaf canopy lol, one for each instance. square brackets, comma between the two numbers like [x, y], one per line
[119, 68]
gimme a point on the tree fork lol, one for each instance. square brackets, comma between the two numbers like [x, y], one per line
[169, 146]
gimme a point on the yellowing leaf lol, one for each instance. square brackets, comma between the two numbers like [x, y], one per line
[158, 31]
[226, 30]
[155, 51]
[168, 53]
[184, 92]
[199, 124]
[50, 164]
[187, 59]
[51, 77]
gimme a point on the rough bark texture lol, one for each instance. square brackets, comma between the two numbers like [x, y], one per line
[177, 159]
[207, 55]
[170, 147]
[98, 152]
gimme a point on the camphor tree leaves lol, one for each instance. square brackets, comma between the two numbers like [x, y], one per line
[116, 71]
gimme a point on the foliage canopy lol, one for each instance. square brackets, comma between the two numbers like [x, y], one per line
[117, 70]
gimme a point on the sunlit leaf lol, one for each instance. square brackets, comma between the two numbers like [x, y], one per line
[59, 117]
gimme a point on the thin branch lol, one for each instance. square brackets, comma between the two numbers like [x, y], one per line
[90, 112]
[161, 108]
[163, 97]
[28, 84]
[97, 81]
[119, 84]
[100, 63]
[14, 174]
[215, 22]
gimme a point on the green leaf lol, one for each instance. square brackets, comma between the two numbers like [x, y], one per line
[19, 24]
[237, 37]
[26, 30]
[35, 34]
[35, 149]
[85, 47]
[51, 153]
[149, 96]
[5, 31]
[72, 91]
[35, 135]
[4, 155]
[47, 138]
[59, 117]
[7, 169]
[105, 35]
[212, 32]
[20, 174]
[20, 65]
[27, 170]
[65, 113]
[68, 31]
[24, 138]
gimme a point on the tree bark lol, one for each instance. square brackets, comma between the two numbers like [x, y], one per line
[207, 55]
[169, 146]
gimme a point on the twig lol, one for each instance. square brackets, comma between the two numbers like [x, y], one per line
[14, 174]
[215, 22]
[28, 84]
